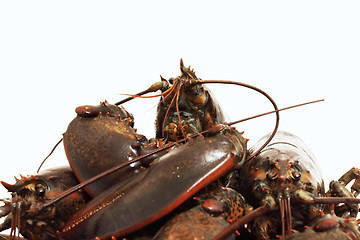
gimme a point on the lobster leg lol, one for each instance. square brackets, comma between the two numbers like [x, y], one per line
[338, 189]
[352, 174]
[5, 211]
[163, 186]
[6, 224]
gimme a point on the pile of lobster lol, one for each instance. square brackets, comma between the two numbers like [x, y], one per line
[195, 180]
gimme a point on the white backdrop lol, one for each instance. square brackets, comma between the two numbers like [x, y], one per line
[55, 56]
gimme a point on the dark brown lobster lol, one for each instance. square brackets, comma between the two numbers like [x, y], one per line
[286, 177]
[160, 182]
[24, 212]
[169, 187]
[284, 183]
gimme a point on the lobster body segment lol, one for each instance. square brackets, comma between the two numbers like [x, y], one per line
[168, 182]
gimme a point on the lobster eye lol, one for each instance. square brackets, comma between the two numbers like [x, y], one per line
[40, 190]
[295, 174]
[272, 173]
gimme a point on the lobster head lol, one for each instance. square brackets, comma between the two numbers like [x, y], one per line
[287, 170]
[285, 177]
[187, 107]
[24, 210]
[286, 166]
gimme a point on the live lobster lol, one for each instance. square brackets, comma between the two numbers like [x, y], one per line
[172, 179]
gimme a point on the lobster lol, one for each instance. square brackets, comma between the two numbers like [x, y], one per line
[284, 182]
[186, 110]
[127, 175]
[103, 136]
[24, 209]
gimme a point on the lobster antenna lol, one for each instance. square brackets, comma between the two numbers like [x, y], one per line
[267, 113]
[260, 91]
[57, 144]
[153, 88]
[215, 129]
[335, 200]
[66, 193]
[134, 96]
[244, 159]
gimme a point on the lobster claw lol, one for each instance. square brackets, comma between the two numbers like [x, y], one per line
[154, 192]
[99, 138]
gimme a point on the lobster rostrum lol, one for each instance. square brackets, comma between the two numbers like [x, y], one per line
[23, 211]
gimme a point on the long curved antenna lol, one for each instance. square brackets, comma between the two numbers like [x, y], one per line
[267, 113]
[178, 112]
[66, 193]
[159, 85]
[57, 144]
[173, 88]
[215, 129]
[260, 91]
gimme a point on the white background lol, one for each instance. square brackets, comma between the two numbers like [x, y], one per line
[57, 55]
